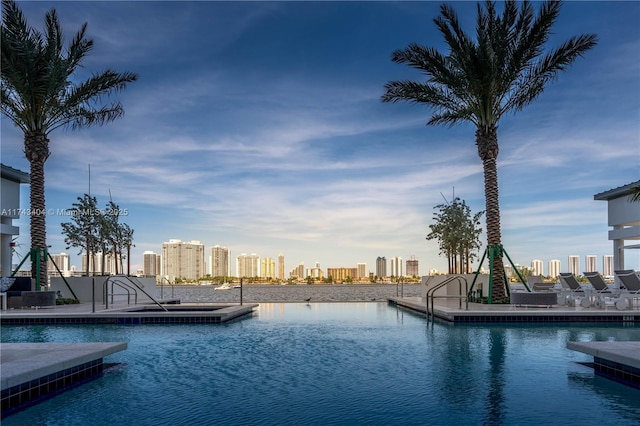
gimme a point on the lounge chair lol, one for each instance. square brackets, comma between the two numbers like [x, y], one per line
[602, 288]
[631, 283]
[569, 282]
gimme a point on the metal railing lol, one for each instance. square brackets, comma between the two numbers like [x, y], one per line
[162, 287]
[132, 283]
[462, 296]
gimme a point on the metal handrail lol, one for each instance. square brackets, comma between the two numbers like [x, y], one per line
[138, 285]
[162, 287]
[106, 294]
[430, 293]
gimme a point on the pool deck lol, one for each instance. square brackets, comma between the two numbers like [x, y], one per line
[32, 372]
[452, 311]
[142, 313]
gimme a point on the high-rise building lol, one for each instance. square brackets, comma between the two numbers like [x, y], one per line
[102, 265]
[381, 266]
[396, 267]
[590, 263]
[248, 265]
[315, 272]
[342, 274]
[220, 261]
[62, 262]
[554, 268]
[281, 266]
[412, 267]
[149, 264]
[362, 270]
[298, 271]
[574, 265]
[536, 267]
[267, 267]
[183, 259]
[607, 265]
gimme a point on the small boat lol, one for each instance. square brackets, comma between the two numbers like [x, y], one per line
[224, 286]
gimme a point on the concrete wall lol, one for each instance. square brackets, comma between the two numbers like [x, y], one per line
[82, 287]
[453, 288]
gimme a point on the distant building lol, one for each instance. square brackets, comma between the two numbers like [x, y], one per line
[381, 266]
[342, 274]
[412, 267]
[150, 264]
[574, 265]
[267, 267]
[183, 260]
[315, 272]
[590, 263]
[61, 262]
[607, 265]
[220, 261]
[396, 267]
[248, 265]
[362, 270]
[537, 267]
[298, 271]
[554, 268]
[281, 266]
[100, 264]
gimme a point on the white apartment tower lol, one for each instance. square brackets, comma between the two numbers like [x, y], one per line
[396, 267]
[62, 262]
[267, 267]
[607, 265]
[220, 261]
[248, 265]
[574, 265]
[149, 264]
[537, 267]
[590, 263]
[183, 259]
[554, 268]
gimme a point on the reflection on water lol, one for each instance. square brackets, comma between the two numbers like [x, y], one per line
[338, 363]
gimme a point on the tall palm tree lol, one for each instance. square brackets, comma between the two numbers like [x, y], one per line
[503, 69]
[39, 96]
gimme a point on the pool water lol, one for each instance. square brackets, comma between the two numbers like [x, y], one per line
[337, 364]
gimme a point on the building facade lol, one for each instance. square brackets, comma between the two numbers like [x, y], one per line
[220, 261]
[590, 263]
[554, 268]
[381, 266]
[362, 270]
[280, 266]
[396, 267]
[248, 265]
[149, 264]
[342, 274]
[61, 262]
[537, 267]
[412, 267]
[184, 260]
[607, 265]
[267, 267]
[574, 265]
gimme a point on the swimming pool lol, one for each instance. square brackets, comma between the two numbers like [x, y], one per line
[337, 363]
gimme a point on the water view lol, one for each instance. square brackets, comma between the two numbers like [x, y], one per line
[338, 363]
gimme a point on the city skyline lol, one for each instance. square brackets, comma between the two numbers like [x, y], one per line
[259, 127]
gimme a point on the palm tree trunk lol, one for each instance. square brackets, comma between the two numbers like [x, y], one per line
[487, 142]
[36, 149]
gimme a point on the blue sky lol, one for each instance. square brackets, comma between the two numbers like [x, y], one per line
[258, 126]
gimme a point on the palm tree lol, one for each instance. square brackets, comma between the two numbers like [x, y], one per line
[479, 80]
[39, 96]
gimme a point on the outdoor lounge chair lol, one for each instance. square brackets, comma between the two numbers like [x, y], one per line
[599, 284]
[569, 282]
[631, 283]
